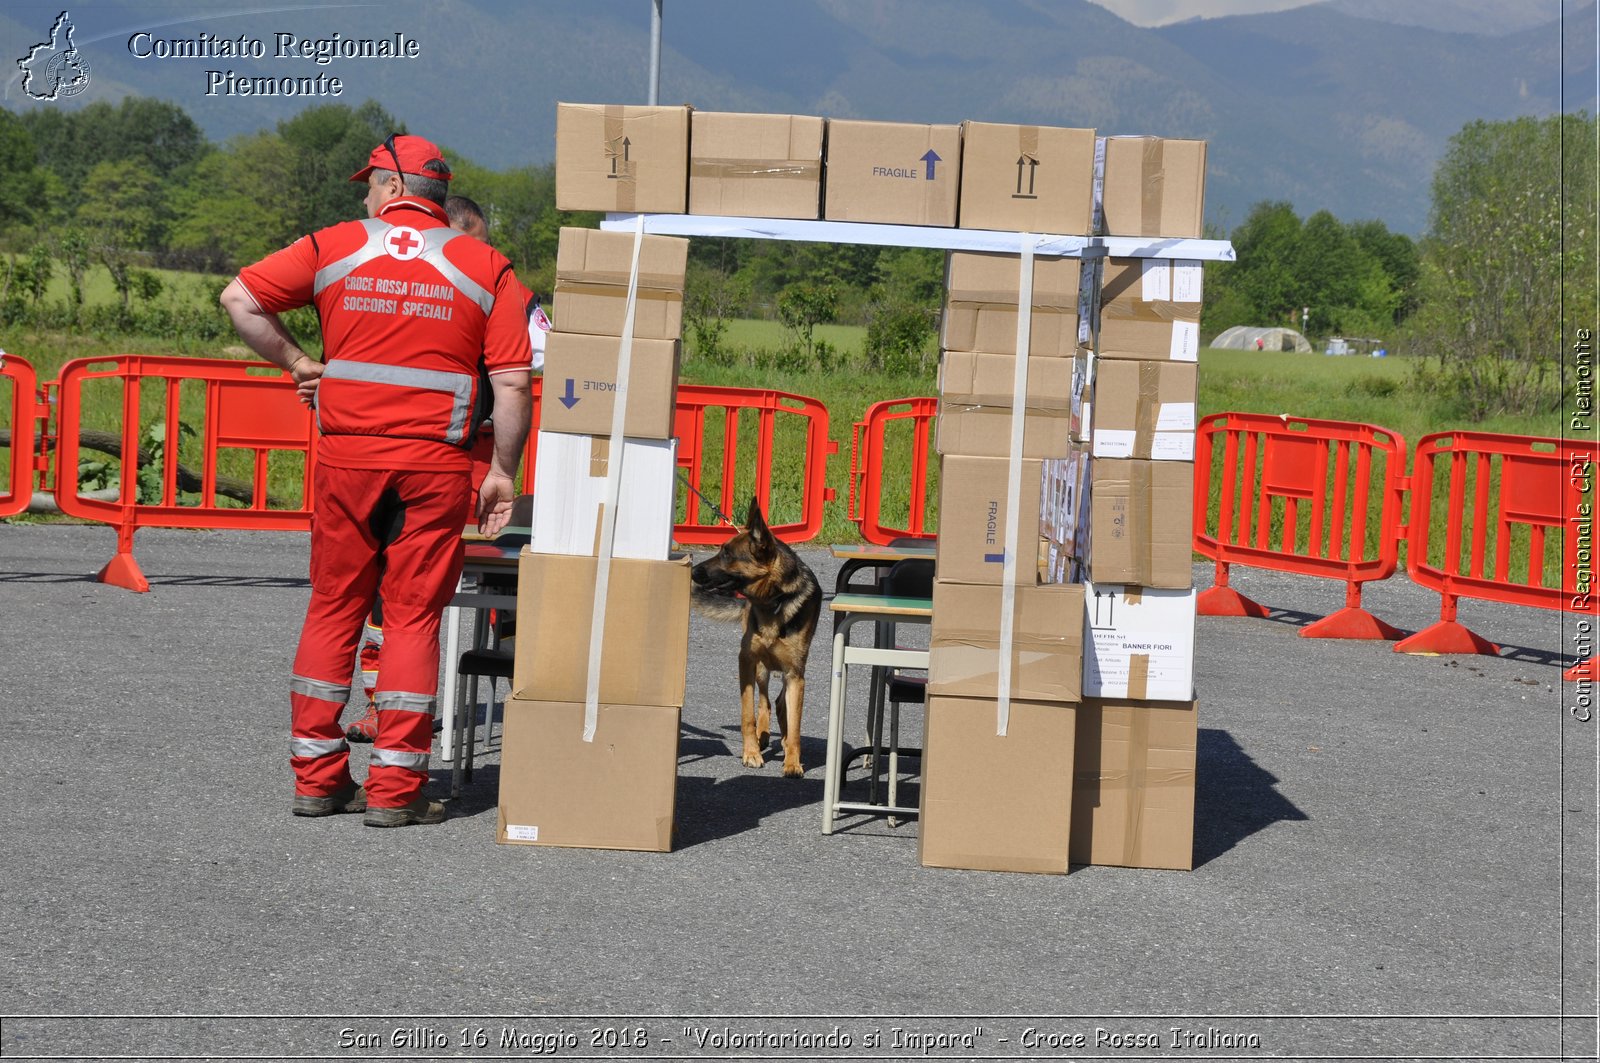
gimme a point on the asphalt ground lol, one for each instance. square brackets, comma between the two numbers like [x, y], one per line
[1394, 858]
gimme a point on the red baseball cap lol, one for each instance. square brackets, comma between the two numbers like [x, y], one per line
[406, 154]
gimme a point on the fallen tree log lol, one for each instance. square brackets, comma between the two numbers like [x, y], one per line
[188, 480]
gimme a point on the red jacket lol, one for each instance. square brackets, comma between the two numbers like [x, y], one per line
[408, 307]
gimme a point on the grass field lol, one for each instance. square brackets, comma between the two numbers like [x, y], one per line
[1373, 391]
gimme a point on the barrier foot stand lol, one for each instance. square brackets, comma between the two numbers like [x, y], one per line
[1225, 601]
[1582, 672]
[1351, 622]
[1447, 636]
[122, 570]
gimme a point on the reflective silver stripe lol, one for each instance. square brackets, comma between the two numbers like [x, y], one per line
[316, 688]
[337, 271]
[457, 384]
[316, 747]
[433, 241]
[404, 701]
[394, 758]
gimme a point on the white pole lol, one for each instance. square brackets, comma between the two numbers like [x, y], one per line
[655, 52]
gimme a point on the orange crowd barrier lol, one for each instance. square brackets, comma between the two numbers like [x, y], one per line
[869, 444]
[1504, 501]
[1319, 498]
[27, 415]
[781, 421]
[169, 416]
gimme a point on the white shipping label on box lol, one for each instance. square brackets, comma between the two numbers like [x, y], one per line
[1175, 417]
[570, 490]
[1186, 281]
[1156, 280]
[518, 833]
[1114, 442]
[1138, 643]
[1172, 446]
[1185, 341]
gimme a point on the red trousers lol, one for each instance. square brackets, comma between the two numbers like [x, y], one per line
[404, 526]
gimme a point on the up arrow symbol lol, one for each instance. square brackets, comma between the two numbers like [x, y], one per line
[930, 158]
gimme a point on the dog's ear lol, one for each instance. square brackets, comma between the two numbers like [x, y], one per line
[755, 523]
[753, 517]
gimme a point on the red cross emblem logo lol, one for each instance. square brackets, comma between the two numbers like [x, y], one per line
[403, 243]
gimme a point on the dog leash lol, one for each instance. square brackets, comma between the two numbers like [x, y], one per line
[714, 507]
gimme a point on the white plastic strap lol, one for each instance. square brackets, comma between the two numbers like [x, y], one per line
[1014, 538]
[608, 513]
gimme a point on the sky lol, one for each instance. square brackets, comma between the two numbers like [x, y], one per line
[1161, 12]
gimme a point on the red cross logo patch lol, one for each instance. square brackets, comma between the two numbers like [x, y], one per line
[403, 243]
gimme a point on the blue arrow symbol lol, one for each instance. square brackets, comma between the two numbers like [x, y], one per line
[930, 158]
[569, 400]
[998, 559]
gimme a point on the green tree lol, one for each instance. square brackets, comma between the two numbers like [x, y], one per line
[1493, 264]
[123, 217]
[157, 135]
[326, 144]
[802, 307]
[239, 205]
[22, 187]
[73, 248]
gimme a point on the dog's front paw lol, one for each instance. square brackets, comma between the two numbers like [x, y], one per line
[793, 769]
[752, 760]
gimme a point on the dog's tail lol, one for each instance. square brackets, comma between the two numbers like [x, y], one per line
[718, 606]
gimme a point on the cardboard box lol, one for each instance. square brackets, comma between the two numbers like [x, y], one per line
[1150, 308]
[617, 158]
[1027, 178]
[991, 803]
[755, 165]
[981, 295]
[975, 416]
[580, 385]
[973, 534]
[1152, 187]
[570, 472]
[1133, 784]
[1046, 642]
[1142, 528]
[592, 269]
[1138, 643]
[893, 172]
[645, 651]
[1142, 409]
[616, 792]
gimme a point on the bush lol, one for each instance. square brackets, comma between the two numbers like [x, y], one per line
[897, 338]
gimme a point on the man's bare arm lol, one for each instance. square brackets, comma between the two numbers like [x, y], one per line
[513, 412]
[264, 333]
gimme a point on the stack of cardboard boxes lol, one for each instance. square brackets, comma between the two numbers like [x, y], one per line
[997, 775]
[1118, 514]
[612, 785]
[1107, 458]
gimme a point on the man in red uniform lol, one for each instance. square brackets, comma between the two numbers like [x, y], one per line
[408, 308]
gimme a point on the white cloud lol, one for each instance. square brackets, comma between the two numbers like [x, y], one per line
[1161, 12]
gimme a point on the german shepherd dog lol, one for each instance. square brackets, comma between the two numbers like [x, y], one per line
[761, 581]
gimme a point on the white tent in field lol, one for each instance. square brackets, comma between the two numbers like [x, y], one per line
[1249, 338]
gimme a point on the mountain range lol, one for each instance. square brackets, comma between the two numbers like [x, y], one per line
[1344, 105]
